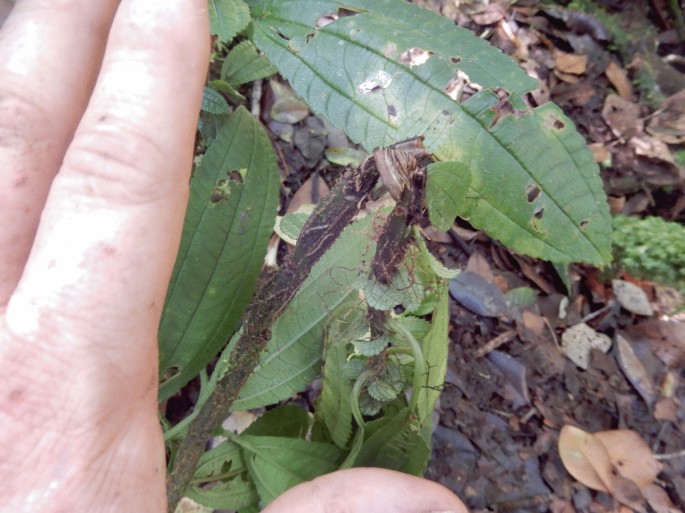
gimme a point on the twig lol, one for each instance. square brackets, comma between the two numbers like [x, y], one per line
[496, 342]
[670, 455]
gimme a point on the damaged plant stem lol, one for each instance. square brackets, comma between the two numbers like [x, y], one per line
[399, 169]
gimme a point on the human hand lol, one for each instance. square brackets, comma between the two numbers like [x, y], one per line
[98, 108]
[96, 146]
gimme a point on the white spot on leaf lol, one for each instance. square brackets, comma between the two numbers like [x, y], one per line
[377, 80]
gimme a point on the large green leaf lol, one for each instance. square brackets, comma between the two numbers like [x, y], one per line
[292, 358]
[533, 184]
[224, 241]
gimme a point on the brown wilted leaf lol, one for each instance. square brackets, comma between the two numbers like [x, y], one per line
[669, 122]
[657, 164]
[658, 499]
[585, 458]
[569, 63]
[310, 192]
[630, 455]
[619, 79]
[634, 370]
[622, 116]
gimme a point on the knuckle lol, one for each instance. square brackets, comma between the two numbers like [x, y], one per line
[116, 160]
[22, 119]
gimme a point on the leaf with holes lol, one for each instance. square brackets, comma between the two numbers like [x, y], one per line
[225, 236]
[388, 70]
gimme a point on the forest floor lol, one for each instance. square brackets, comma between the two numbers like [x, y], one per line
[618, 70]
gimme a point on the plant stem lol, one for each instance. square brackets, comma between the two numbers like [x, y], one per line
[321, 230]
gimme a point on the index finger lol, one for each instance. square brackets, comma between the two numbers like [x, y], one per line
[109, 232]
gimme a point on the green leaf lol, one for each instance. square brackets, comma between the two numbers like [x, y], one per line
[292, 357]
[288, 420]
[398, 445]
[228, 17]
[333, 406]
[447, 185]
[222, 249]
[435, 349]
[213, 102]
[533, 184]
[225, 469]
[244, 64]
[277, 464]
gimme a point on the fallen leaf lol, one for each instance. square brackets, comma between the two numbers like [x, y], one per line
[600, 153]
[478, 295]
[634, 370]
[630, 455]
[514, 373]
[658, 165]
[668, 123]
[627, 493]
[631, 297]
[658, 499]
[309, 193]
[666, 409]
[570, 63]
[585, 458]
[619, 79]
[578, 341]
[622, 116]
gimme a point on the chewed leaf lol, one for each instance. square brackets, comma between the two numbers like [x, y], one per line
[227, 228]
[533, 183]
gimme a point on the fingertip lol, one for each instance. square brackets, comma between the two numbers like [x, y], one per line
[359, 490]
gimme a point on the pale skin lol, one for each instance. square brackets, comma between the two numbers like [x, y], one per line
[98, 110]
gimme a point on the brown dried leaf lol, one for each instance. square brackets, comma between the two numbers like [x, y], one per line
[669, 122]
[585, 458]
[666, 409]
[630, 455]
[622, 116]
[631, 297]
[569, 63]
[627, 492]
[658, 499]
[657, 163]
[667, 340]
[600, 153]
[479, 265]
[634, 370]
[494, 13]
[619, 79]
[310, 192]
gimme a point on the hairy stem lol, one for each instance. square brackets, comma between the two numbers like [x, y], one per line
[321, 230]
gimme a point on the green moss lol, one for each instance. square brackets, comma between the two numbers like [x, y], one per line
[651, 248]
